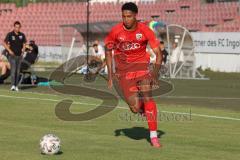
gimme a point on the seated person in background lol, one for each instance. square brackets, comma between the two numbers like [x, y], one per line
[177, 54]
[4, 67]
[164, 52]
[98, 50]
[28, 60]
[99, 56]
[96, 61]
[31, 55]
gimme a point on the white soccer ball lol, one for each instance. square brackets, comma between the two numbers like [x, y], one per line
[50, 144]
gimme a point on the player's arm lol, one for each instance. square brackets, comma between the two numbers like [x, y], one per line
[6, 46]
[24, 48]
[109, 47]
[24, 44]
[159, 58]
[155, 45]
[108, 56]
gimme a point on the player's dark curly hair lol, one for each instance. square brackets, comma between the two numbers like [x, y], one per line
[130, 6]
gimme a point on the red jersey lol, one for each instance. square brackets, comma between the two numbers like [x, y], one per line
[130, 46]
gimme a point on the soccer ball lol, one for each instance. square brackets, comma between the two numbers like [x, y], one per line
[50, 144]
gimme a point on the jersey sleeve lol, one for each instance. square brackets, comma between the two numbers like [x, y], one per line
[152, 39]
[110, 40]
[7, 38]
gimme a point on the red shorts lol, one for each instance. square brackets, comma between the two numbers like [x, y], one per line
[129, 82]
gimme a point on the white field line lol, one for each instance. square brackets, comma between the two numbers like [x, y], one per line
[91, 104]
[192, 97]
[178, 97]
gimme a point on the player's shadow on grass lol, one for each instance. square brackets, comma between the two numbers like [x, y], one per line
[137, 133]
[25, 87]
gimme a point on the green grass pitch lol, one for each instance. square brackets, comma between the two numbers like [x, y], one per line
[209, 130]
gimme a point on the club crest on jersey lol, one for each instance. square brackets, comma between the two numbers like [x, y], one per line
[138, 36]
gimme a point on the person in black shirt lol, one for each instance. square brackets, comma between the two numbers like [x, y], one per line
[164, 68]
[31, 55]
[15, 44]
[164, 52]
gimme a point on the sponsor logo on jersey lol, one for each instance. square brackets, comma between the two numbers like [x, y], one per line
[130, 46]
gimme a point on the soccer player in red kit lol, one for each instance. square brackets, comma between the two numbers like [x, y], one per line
[128, 40]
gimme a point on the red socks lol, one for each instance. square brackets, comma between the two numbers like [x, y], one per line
[151, 114]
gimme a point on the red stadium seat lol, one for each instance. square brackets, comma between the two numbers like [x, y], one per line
[43, 19]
